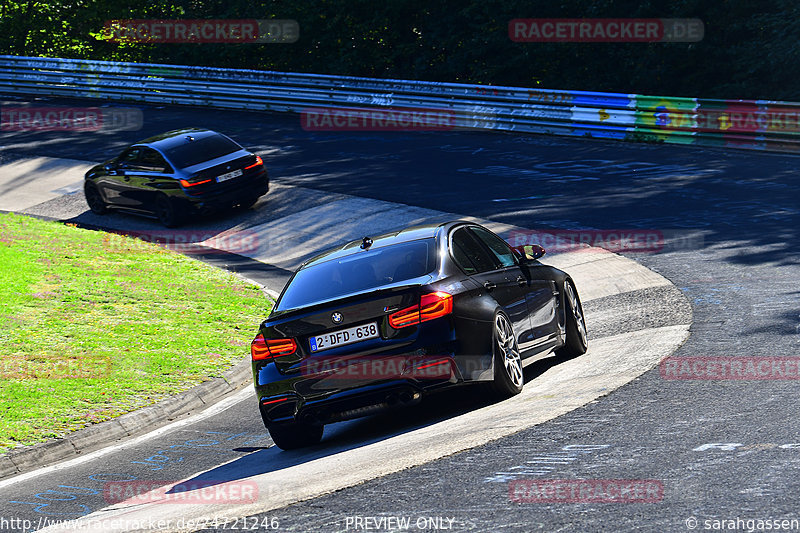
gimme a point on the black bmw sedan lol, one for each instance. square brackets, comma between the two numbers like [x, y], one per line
[175, 174]
[378, 323]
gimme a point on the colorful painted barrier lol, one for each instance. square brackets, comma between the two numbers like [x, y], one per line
[748, 124]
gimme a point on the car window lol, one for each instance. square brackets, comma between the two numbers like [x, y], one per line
[468, 253]
[152, 161]
[500, 248]
[190, 153]
[362, 271]
[129, 158]
[462, 259]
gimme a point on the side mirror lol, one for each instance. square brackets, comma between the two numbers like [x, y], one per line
[532, 252]
[110, 166]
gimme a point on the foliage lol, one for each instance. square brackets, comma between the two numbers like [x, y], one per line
[750, 48]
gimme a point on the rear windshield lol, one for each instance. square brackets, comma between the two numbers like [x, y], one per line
[362, 271]
[195, 152]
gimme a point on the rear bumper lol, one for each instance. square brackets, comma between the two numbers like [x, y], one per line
[326, 391]
[252, 188]
[344, 405]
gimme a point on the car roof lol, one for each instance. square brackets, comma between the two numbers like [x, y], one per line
[423, 231]
[170, 139]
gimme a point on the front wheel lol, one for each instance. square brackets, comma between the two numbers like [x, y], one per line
[508, 376]
[575, 344]
[293, 435]
[94, 199]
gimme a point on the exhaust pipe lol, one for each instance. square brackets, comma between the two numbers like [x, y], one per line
[409, 396]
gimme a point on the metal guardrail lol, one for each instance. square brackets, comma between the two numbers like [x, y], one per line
[753, 124]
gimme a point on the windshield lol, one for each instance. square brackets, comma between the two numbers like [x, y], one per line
[205, 149]
[362, 271]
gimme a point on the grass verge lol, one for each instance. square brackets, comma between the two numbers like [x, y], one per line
[92, 331]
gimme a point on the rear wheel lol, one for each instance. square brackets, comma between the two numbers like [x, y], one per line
[166, 211]
[576, 342]
[94, 199]
[508, 376]
[293, 435]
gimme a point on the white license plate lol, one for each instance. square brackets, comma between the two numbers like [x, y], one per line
[343, 336]
[229, 175]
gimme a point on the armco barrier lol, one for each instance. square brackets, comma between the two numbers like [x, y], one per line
[761, 124]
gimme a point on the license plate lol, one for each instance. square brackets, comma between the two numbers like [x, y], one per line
[229, 175]
[343, 337]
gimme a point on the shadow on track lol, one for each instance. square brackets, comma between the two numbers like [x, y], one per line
[343, 436]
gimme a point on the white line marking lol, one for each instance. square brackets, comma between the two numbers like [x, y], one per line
[610, 363]
[215, 409]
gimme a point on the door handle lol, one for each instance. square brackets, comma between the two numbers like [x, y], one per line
[127, 178]
[521, 281]
[489, 285]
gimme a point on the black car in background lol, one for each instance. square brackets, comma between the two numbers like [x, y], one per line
[175, 174]
[379, 322]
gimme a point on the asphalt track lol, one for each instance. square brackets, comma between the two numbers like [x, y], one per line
[737, 266]
[623, 349]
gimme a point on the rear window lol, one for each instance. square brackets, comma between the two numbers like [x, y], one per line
[362, 271]
[195, 152]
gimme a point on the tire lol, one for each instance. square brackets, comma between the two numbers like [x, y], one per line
[166, 211]
[94, 200]
[290, 436]
[508, 375]
[576, 342]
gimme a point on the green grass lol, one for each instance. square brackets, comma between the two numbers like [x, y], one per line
[94, 326]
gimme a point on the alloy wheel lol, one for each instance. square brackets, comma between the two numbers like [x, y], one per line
[508, 349]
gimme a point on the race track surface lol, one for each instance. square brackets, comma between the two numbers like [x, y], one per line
[719, 449]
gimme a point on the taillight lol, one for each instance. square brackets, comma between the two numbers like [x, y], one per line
[193, 183]
[405, 317]
[258, 348]
[432, 305]
[254, 165]
[435, 305]
[262, 349]
[281, 347]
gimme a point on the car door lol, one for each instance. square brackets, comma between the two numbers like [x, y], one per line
[513, 284]
[153, 174]
[133, 174]
[116, 181]
[488, 273]
[543, 298]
